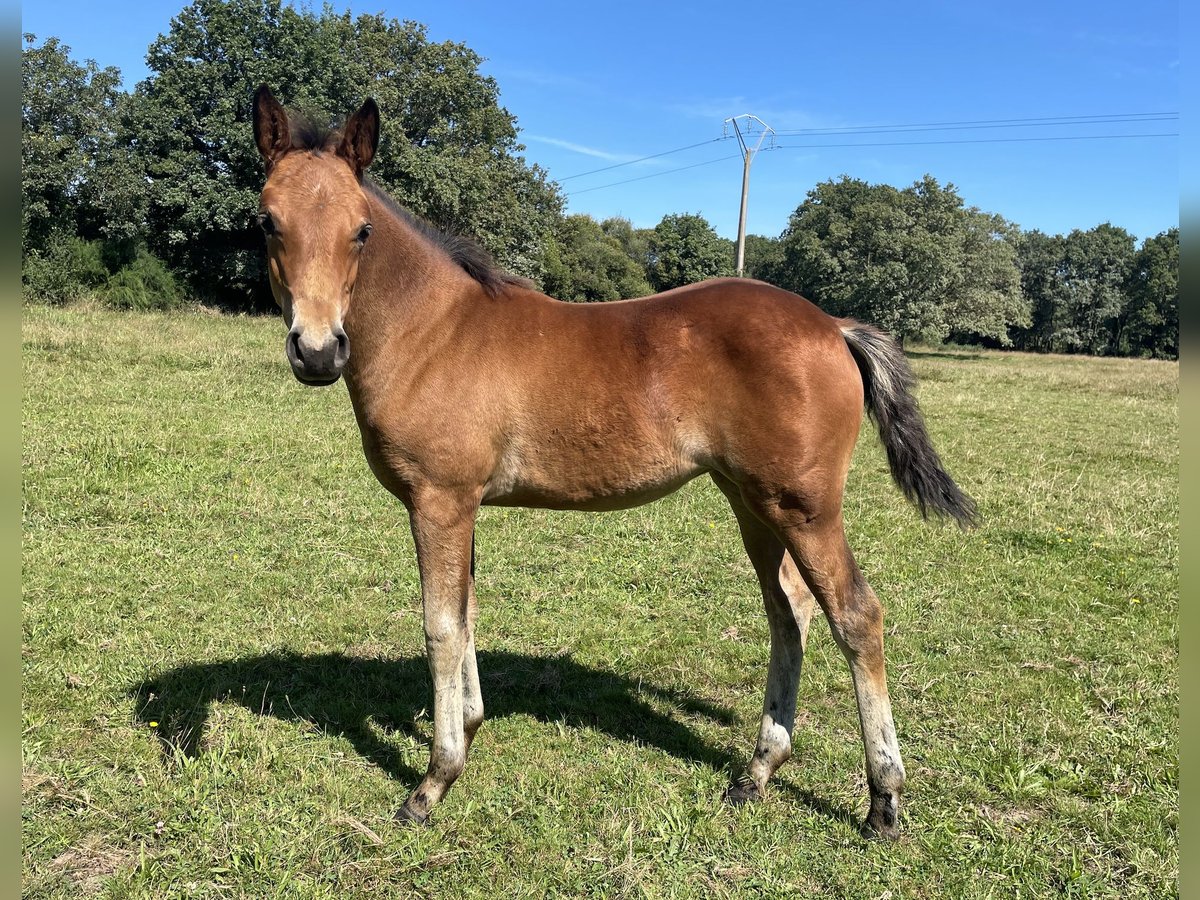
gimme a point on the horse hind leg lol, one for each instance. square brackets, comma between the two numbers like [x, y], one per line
[856, 620]
[789, 607]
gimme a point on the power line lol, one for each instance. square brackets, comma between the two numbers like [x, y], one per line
[1081, 137]
[853, 130]
[1064, 120]
[921, 128]
[1072, 137]
[655, 174]
[642, 159]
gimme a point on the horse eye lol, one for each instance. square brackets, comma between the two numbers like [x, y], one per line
[363, 234]
[266, 223]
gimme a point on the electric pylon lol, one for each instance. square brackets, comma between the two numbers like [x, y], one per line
[762, 130]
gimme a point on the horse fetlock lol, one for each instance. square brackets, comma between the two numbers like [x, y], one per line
[885, 769]
[769, 755]
[445, 768]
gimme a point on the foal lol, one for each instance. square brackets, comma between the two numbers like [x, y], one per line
[472, 388]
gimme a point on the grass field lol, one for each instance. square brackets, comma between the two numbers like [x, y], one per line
[225, 693]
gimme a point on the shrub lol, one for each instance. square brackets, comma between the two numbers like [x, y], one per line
[143, 284]
[66, 269]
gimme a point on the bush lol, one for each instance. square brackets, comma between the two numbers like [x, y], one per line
[66, 269]
[143, 284]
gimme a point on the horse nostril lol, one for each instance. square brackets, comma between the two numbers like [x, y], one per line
[295, 357]
[342, 354]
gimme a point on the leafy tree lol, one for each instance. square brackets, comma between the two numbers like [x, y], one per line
[684, 249]
[1151, 318]
[1097, 265]
[585, 263]
[83, 194]
[1090, 292]
[448, 150]
[635, 242]
[764, 257]
[913, 261]
[844, 248]
[984, 299]
[1041, 262]
[68, 125]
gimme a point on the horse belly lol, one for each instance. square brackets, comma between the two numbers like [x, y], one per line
[596, 478]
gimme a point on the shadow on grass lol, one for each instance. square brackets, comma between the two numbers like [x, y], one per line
[363, 699]
[369, 700]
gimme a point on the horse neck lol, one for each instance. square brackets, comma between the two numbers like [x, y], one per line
[406, 290]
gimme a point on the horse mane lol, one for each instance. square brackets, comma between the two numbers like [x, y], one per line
[462, 251]
[308, 133]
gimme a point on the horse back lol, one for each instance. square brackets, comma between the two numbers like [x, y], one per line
[611, 405]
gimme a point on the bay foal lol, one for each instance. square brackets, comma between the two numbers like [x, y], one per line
[472, 388]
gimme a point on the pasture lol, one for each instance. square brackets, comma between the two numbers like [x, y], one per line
[225, 692]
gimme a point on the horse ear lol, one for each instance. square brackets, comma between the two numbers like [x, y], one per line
[271, 130]
[360, 137]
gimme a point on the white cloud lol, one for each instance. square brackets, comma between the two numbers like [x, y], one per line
[579, 148]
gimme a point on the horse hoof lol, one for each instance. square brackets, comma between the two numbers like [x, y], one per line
[878, 831]
[742, 791]
[406, 816]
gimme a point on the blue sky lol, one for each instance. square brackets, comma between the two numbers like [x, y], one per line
[594, 86]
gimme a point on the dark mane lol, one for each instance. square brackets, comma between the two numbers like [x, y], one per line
[464, 252]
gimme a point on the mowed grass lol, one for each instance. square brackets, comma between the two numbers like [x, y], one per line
[225, 692]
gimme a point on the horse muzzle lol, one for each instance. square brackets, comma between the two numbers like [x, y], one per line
[320, 361]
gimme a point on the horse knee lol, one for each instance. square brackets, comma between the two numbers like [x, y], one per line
[445, 632]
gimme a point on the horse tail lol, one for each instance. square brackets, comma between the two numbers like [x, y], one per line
[888, 384]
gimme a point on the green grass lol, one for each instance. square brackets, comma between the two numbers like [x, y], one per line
[225, 692]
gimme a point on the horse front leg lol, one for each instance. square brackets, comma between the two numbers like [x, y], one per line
[442, 525]
[472, 695]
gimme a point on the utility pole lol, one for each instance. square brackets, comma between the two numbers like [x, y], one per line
[762, 130]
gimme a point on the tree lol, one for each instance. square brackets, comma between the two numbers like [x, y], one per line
[1097, 265]
[984, 299]
[635, 242]
[1151, 318]
[69, 116]
[585, 263]
[448, 150]
[844, 249]
[83, 196]
[764, 257]
[1041, 262]
[915, 261]
[684, 249]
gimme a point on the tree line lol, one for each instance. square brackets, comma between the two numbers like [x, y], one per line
[146, 197]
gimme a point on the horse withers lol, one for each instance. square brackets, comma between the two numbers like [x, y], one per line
[470, 388]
